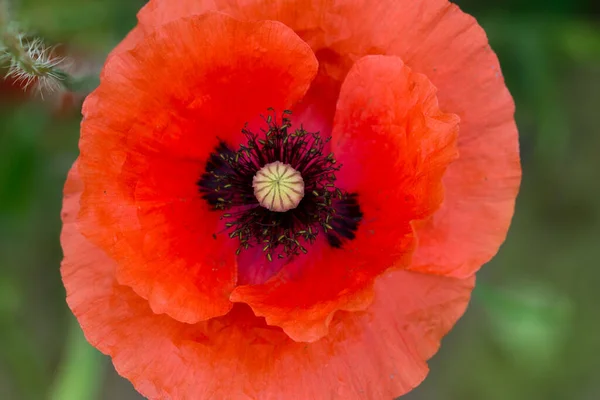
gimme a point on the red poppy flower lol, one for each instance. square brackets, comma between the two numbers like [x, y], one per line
[220, 246]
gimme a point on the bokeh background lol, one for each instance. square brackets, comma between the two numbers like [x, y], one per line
[532, 330]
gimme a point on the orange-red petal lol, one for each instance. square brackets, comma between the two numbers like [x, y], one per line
[436, 38]
[410, 312]
[394, 144]
[376, 354]
[147, 131]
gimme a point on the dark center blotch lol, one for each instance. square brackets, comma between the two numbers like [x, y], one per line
[227, 185]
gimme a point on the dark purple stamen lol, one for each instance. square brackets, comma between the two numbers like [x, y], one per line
[227, 185]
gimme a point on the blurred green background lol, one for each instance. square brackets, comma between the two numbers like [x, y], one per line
[532, 330]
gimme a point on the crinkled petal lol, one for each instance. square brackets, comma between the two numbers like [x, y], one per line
[161, 109]
[376, 354]
[433, 37]
[395, 145]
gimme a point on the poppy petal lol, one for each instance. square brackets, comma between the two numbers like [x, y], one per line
[379, 353]
[317, 109]
[147, 132]
[394, 144]
[436, 38]
[481, 186]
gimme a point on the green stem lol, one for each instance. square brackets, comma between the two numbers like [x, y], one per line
[81, 371]
[28, 59]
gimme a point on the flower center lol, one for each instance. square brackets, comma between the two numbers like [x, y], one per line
[278, 192]
[278, 187]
